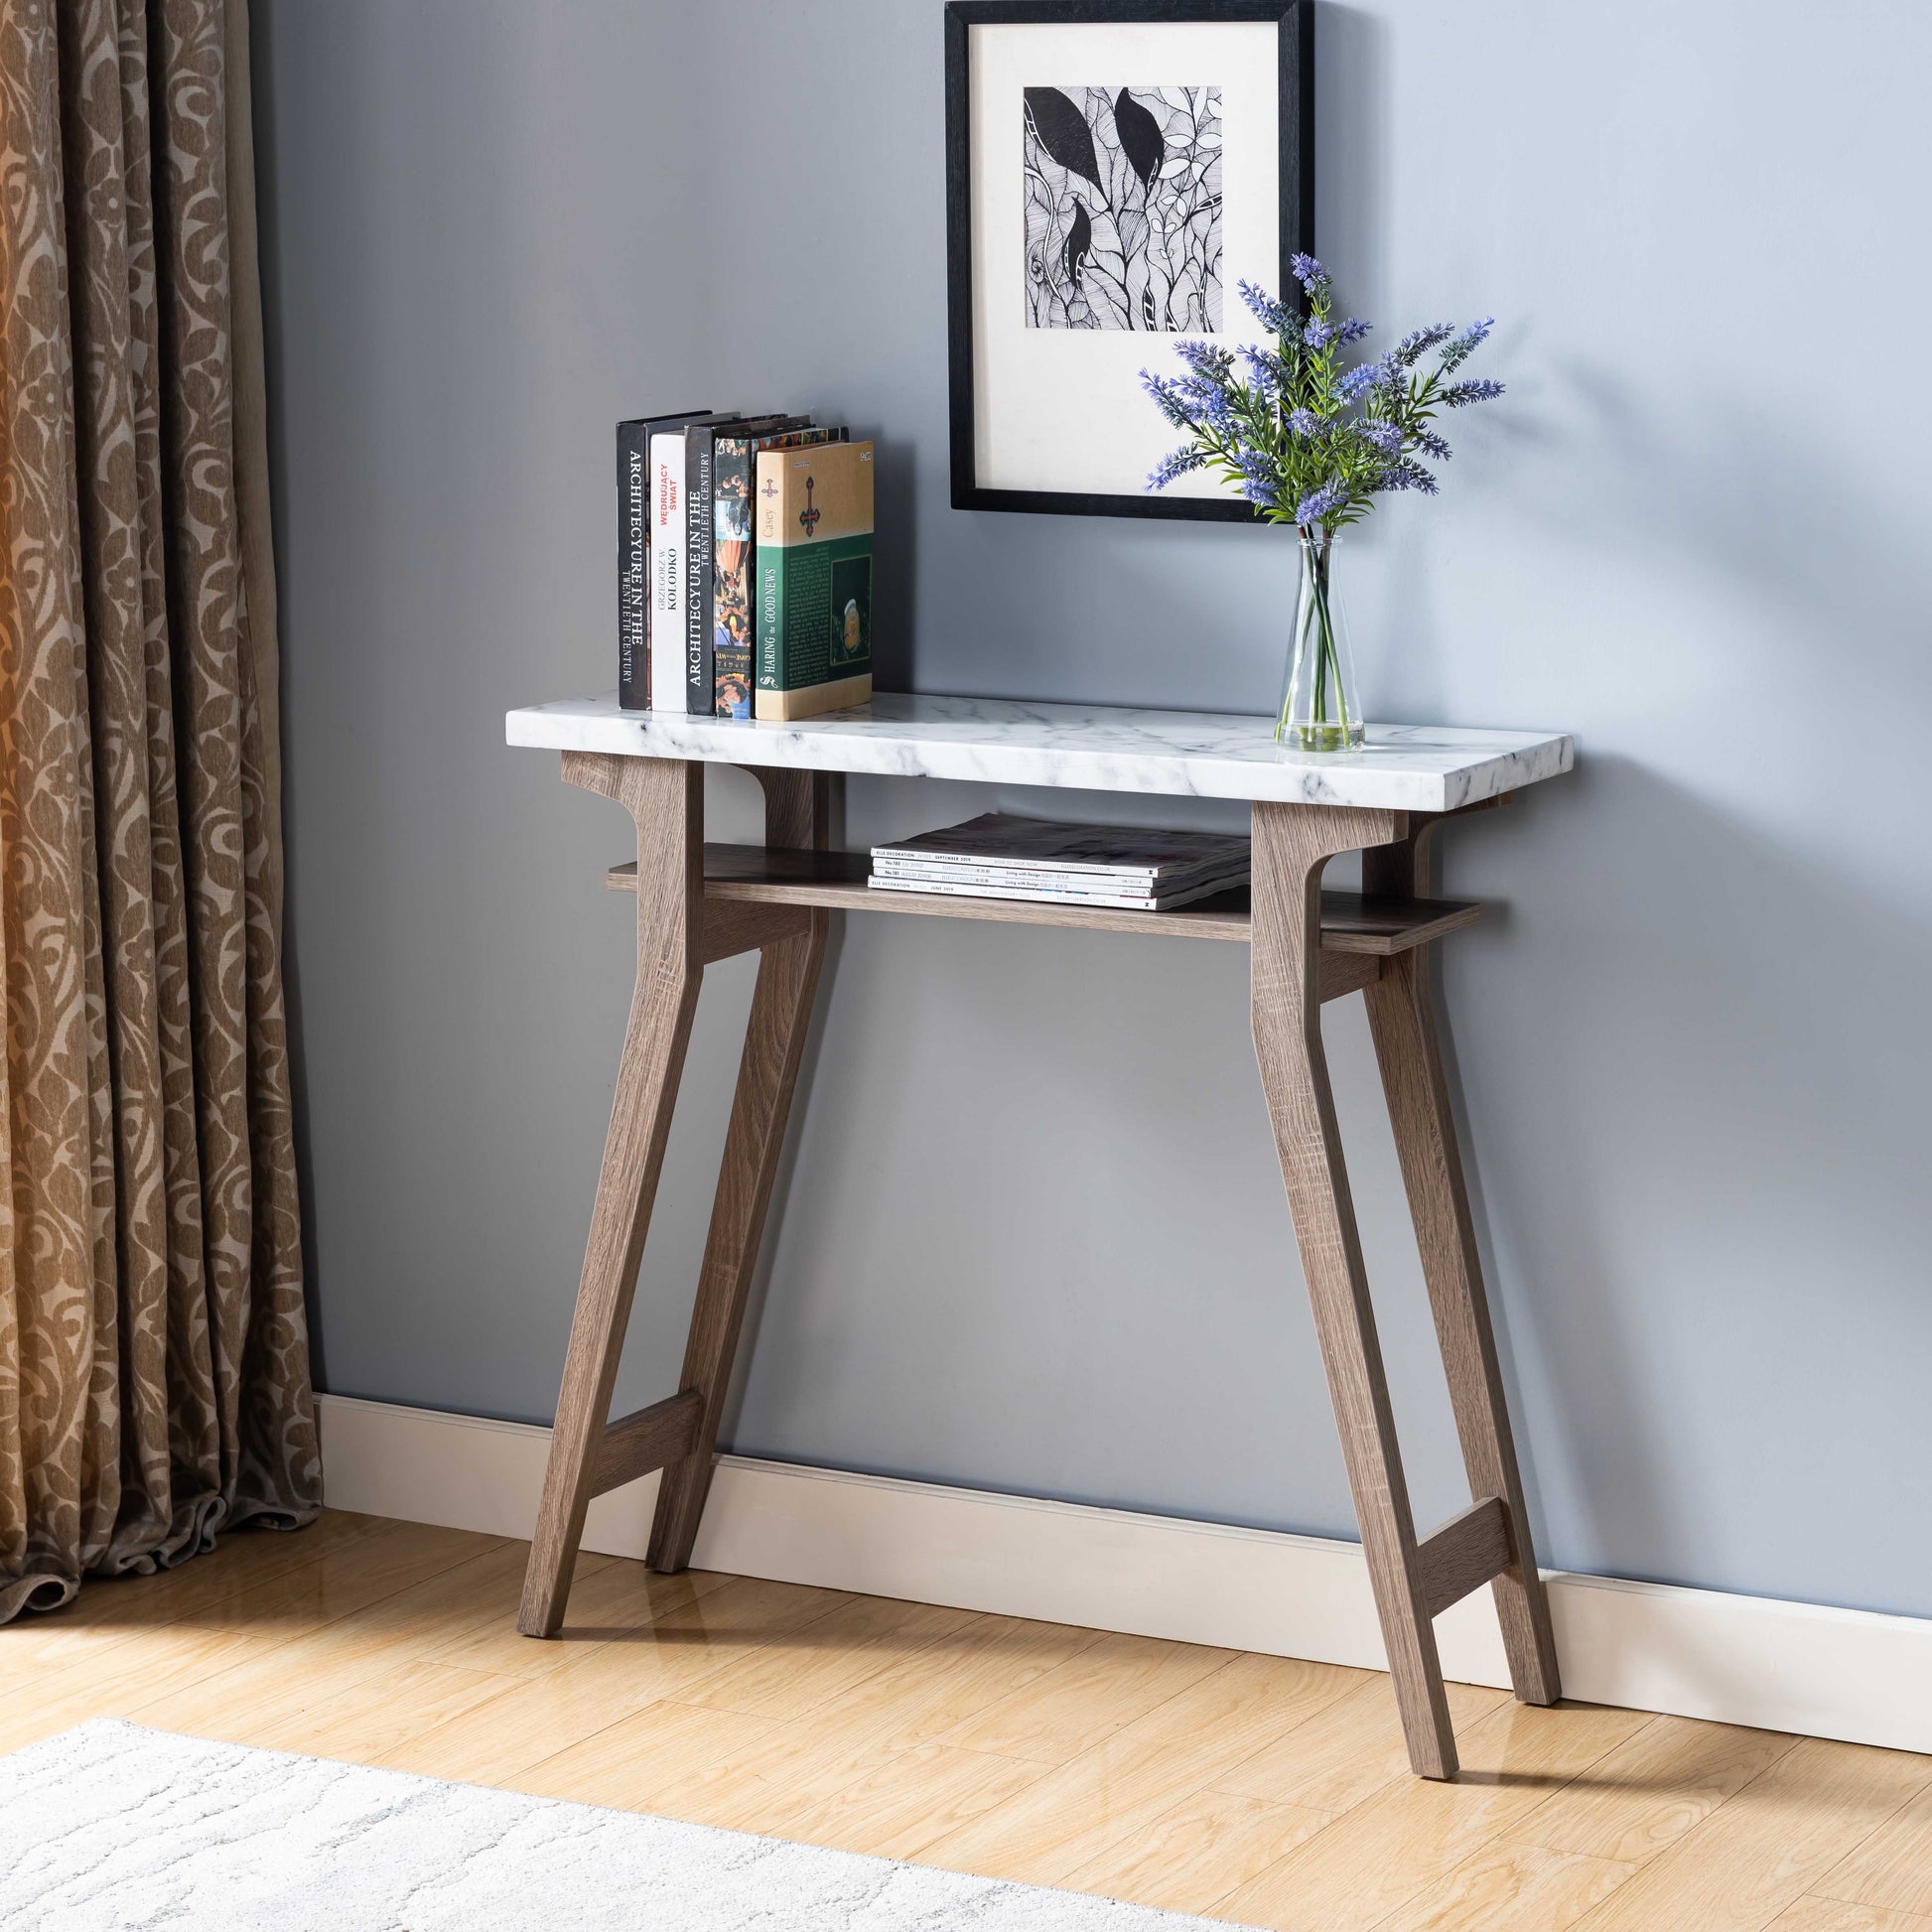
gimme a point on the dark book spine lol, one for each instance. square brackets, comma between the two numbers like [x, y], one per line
[730, 588]
[700, 448]
[633, 566]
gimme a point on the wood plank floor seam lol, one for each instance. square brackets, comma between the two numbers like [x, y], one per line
[1260, 1789]
[1891, 1870]
[1755, 1857]
[1813, 1913]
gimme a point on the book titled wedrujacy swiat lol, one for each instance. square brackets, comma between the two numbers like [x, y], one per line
[669, 582]
[814, 579]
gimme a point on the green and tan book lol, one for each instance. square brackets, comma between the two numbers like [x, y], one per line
[814, 579]
[734, 546]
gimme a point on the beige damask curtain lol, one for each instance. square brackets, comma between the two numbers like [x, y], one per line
[154, 1376]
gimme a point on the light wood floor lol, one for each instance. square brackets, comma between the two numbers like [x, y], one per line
[1257, 1789]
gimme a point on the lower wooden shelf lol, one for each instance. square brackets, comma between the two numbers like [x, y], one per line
[756, 874]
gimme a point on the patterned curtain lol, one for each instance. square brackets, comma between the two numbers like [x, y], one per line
[154, 1373]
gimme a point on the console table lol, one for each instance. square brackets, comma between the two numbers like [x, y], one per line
[698, 902]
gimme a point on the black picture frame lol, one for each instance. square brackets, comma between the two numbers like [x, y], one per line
[1295, 24]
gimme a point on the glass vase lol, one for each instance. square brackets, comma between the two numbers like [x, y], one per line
[1321, 711]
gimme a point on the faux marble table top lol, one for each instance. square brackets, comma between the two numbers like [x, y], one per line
[1093, 747]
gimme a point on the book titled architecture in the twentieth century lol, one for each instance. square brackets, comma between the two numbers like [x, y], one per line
[633, 553]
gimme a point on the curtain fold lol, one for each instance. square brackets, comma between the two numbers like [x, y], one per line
[154, 1376]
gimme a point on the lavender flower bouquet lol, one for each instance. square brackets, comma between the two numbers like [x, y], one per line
[1312, 443]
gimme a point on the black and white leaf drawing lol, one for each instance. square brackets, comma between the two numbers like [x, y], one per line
[1079, 238]
[1123, 189]
[1059, 128]
[1141, 139]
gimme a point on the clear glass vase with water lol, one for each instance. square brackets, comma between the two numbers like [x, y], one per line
[1320, 710]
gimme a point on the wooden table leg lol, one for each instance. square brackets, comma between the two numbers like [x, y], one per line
[797, 810]
[1292, 844]
[1402, 1018]
[666, 798]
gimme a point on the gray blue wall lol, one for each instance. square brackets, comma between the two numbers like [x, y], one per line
[1031, 1237]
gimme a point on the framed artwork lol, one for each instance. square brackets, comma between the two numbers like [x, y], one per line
[1114, 169]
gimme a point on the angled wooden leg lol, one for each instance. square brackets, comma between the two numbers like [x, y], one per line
[796, 807]
[1402, 1018]
[666, 798]
[1292, 844]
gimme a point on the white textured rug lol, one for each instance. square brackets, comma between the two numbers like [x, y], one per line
[111, 1828]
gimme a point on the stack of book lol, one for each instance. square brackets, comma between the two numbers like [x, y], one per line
[723, 613]
[998, 856]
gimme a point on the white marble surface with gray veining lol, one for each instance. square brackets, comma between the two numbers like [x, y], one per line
[1093, 748]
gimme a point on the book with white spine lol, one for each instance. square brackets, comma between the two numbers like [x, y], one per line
[667, 585]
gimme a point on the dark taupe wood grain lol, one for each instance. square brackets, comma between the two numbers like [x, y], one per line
[732, 926]
[647, 1440]
[666, 799]
[1292, 844]
[1464, 1554]
[836, 880]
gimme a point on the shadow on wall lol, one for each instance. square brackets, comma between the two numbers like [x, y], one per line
[1765, 1254]
[267, 151]
[894, 518]
[1351, 61]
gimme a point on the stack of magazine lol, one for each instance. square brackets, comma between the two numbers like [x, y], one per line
[997, 855]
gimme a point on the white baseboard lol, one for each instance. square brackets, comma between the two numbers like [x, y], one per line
[1744, 1660]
